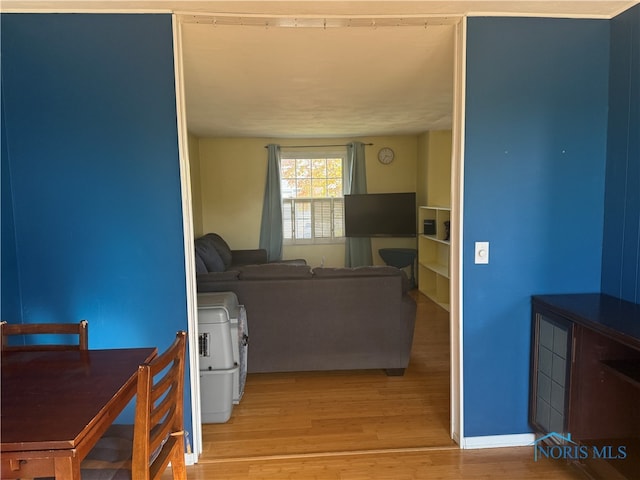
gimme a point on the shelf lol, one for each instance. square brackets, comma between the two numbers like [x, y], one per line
[435, 239]
[628, 370]
[439, 215]
[435, 207]
[434, 285]
[444, 305]
[433, 296]
[433, 256]
[437, 268]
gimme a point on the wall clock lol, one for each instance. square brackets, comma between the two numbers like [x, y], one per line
[386, 155]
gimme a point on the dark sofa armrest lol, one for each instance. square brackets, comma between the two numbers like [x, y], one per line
[248, 257]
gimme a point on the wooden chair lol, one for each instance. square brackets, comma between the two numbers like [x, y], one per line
[143, 451]
[80, 329]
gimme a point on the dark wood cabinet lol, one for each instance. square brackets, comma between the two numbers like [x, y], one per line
[585, 381]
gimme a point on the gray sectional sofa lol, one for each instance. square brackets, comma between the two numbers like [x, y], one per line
[303, 319]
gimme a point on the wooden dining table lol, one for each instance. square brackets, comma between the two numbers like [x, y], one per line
[57, 404]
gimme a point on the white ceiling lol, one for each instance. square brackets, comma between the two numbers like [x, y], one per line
[315, 82]
[304, 68]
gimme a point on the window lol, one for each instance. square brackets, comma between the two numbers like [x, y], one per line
[312, 201]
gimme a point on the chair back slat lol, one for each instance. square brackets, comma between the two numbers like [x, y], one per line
[80, 329]
[162, 412]
[168, 381]
[157, 469]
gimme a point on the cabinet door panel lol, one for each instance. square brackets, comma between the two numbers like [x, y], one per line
[559, 370]
[550, 362]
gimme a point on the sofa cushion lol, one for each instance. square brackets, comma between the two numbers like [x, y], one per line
[371, 271]
[209, 255]
[218, 276]
[332, 272]
[274, 271]
[255, 256]
[221, 246]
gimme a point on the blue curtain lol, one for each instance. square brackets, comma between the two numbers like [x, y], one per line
[271, 226]
[357, 250]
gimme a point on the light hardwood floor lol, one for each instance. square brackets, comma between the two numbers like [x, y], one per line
[447, 464]
[358, 425]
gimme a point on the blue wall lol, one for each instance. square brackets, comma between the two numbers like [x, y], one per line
[621, 256]
[9, 279]
[91, 218]
[535, 152]
[92, 152]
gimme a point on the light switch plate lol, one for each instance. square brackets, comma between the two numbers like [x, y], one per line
[482, 253]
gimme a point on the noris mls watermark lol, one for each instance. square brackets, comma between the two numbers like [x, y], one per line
[567, 449]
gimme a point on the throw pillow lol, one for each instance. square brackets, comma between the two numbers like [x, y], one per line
[209, 255]
[200, 266]
[222, 247]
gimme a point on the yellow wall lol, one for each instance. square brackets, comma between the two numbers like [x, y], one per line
[421, 174]
[439, 168]
[434, 168]
[196, 196]
[232, 179]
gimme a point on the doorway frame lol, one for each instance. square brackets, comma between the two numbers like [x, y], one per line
[456, 419]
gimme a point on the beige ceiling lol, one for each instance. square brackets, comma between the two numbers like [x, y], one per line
[316, 82]
[322, 68]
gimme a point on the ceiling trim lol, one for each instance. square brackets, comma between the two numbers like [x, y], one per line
[426, 8]
[314, 21]
[577, 16]
[59, 9]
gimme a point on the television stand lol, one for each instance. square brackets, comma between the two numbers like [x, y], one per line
[400, 258]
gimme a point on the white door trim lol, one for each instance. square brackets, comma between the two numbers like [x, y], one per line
[457, 216]
[189, 255]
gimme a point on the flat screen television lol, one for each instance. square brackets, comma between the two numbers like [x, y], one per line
[380, 215]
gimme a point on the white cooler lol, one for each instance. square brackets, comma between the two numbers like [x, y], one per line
[222, 330]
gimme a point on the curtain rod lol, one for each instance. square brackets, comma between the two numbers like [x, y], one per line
[316, 146]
